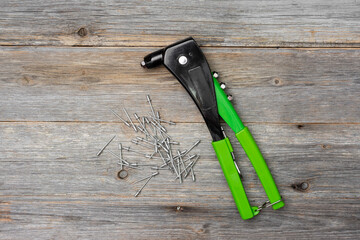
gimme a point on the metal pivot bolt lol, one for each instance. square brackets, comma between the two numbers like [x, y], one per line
[222, 86]
[183, 60]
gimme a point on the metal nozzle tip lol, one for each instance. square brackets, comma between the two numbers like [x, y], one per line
[143, 64]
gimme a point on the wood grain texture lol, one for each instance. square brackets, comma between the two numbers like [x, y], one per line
[65, 64]
[282, 23]
[269, 85]
[53, 185]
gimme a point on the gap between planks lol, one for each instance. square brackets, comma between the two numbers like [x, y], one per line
[116, 122]
[311, 46]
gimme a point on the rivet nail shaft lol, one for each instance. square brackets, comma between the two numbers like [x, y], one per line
[102, 149]
[126, 123]
[131, 122]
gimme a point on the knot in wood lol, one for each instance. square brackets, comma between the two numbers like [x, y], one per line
[82, 32]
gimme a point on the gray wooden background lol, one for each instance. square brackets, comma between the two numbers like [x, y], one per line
[292, 66]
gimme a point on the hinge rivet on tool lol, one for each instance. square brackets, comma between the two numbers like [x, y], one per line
[215, 74]
[183, 60]
[222, 86]
[230, 97]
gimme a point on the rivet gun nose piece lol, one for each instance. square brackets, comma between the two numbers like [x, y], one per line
[153, 59]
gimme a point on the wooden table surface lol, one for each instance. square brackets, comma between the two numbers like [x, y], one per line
[293, 69]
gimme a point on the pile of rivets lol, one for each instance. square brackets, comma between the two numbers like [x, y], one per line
[156, 139]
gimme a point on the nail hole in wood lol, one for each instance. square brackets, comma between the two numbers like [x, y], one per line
[300, 126]
[82, 32]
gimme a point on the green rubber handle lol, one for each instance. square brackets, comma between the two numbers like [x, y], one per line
[230, 116]
[223, 152]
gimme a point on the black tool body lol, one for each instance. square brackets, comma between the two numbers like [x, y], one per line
[187, 63]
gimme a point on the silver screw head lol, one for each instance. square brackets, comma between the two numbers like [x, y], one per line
[230, 97]
[183, 60]
[222, 86]
[215, 74]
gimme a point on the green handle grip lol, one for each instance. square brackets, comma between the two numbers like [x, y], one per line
[252, 151]
[223, 152]
[226, 109]
[230, 116]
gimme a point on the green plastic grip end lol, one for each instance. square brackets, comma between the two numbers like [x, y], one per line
[223, 152]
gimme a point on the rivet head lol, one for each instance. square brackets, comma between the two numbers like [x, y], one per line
[215, 74]
[183, 60]
[230, 97]
[222, 86]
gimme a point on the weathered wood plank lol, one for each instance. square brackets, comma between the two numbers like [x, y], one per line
[158, 23]
[300, 104]
[268, 85]
[53, 186]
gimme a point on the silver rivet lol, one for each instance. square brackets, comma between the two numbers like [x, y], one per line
[222, 86]
[215, 74]
[103, 148]
[139, 191]
[152, 175]
[126, 123]
[149, 101]
[183, 60]
[132, 124]
[230, 97]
